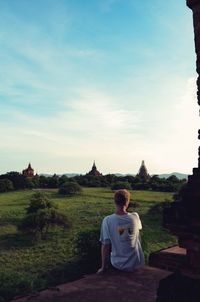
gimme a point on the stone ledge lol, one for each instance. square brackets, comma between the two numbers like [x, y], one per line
[113, 286]
[170, 259]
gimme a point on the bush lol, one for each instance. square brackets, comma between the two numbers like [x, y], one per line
[121, 185]
[39, 201]
[86, 247]
[141, 186]
[179, 195]
[70, 188]
[38, 223]
[134, 204]
[42, 214]
[13, 284]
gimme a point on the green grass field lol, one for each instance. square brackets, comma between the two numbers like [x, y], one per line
[30, 266]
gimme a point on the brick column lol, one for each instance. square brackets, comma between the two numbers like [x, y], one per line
[182, 218]
[195, 7]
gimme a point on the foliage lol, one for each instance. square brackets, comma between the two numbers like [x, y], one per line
[17, 179]
[53, 182]
[121, 185]
[178, 195]
[8, 281]
[154, 183]
[134, 205]
[6, 185]
[70, 188]
[86, 248]
[39, 201]
[63, 179]
[171, 184]
[13, 284]
[140, 186]
[43, 182]
[29, 183]
[38, 223]
[40, 215]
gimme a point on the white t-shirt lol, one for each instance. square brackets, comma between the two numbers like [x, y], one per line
[122, 232]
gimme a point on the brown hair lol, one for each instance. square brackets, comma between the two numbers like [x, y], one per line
[121, 197]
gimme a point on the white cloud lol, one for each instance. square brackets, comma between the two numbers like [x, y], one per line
[177, 145]
[93, 126]
[53, 121]
[101, 110]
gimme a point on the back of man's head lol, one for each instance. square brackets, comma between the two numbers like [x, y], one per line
[122, 197]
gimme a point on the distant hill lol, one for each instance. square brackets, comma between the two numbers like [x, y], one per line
[71, 174]
[177, 174]
[67, 174]
[166, 175]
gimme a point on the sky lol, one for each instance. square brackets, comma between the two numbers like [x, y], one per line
[105, 80]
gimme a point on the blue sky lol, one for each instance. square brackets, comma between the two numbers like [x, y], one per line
[110, 80]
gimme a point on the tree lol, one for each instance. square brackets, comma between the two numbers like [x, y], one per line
[6, 185]
[110, 178]
[173, 179]
[53, 181]
[40, 215]
[121, 185]
[18, 180]
[63, 179]
[39, 201]
[70, 188]
[35, 180]
[156, 183]
[43, 182]
[29, 183]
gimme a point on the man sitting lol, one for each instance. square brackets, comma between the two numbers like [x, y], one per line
[120, 239]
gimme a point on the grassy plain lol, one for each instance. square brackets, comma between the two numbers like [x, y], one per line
[30, 266]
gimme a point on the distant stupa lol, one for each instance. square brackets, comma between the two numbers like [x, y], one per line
[94, 171]
[143, 173]
[29, 172]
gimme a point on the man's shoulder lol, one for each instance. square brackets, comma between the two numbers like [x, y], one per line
[109, 217]
[136, 219]
[134, 214]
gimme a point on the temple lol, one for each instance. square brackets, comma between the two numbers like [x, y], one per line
[29, 172]
[94, 171]
[143, 173]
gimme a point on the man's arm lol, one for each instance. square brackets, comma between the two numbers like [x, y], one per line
[105, 257]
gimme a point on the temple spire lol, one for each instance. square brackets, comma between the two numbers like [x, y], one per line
[94, 171]
[29, 172]
[94, 165]
[143, 173]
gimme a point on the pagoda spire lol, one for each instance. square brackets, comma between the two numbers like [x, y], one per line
[143, 173]
[94, 165]
[29, 172]
[94, 171]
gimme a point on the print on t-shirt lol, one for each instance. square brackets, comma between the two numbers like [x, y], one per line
[125, 231]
